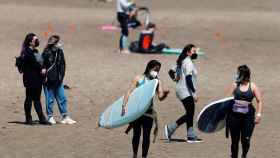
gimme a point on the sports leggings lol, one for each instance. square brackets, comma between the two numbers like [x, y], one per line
[146, 123]
[241, 125]
[33, 95]
[123, 20]
[187, 118]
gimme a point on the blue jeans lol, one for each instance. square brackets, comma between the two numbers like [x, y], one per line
[57, 94]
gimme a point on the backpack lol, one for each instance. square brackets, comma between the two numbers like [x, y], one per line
[174, 73]
[134, 46]
[19, 63]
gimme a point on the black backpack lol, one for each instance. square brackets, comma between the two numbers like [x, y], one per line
[19, 63]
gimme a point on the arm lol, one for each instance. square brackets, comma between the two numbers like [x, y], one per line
[258, 96]
[132, 86]
[189, 84]
[126, 3]
[187, 70]
[63, 63]
[162, 94]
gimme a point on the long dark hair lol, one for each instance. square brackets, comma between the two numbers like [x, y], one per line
[26, 42]
[151, 64]
[244, 74]
[52, 41]
[183, 55]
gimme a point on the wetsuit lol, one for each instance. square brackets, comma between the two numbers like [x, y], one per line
[144, 122]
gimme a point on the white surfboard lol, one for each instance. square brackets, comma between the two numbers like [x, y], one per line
[138, 103]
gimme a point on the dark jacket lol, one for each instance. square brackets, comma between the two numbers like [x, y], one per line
[32, 67]
[54, 62]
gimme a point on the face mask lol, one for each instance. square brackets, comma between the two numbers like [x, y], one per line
[59, 45]
[194, 56]
[153, 74]
[36, 43]
[238, 78]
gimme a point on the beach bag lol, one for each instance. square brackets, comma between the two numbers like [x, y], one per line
[19, 63]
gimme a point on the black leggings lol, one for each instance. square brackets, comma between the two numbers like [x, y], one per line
[146, 123]
[188, 117]
[123, 20]
[240, 125]
[33, 94]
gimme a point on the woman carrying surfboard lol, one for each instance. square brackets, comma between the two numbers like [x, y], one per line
[186, 92]
[242, 118]
[146, 121]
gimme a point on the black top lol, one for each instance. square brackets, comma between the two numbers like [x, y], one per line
[246, 96]
[55, 63]
[32, 77]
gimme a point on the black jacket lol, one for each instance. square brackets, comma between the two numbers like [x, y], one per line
[32, 67]
[54, 62]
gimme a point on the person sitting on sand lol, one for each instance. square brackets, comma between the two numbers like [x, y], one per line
[145, 43]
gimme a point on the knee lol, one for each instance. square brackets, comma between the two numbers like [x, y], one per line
[136, 135]
[125, 32]
[146, 139]
[50, 101]
[245, 140]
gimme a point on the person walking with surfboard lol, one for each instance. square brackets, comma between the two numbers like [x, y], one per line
[186, 91]
[243, 116]
[146, 121]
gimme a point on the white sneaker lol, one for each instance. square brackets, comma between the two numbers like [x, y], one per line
[67, 120]
[125, 51]
[52, 121]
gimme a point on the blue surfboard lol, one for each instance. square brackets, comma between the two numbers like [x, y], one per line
[212, 117]
[138, 103]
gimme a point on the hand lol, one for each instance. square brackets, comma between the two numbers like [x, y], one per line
[257, 119]
[195, 97]
[132, 13]
[124, 110]
[43, 71]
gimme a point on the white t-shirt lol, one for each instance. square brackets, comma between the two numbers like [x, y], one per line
[123, 6]
[187, 68]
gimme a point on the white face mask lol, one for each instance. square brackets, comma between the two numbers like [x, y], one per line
[153, 74]
[59, 45]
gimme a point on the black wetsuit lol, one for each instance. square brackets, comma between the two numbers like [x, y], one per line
[241, 121]
[146, 123]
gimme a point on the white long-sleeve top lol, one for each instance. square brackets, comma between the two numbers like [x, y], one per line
[123, 6]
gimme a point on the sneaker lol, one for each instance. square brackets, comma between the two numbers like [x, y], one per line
[169, 129]
[194, 140]
[167, 133]
[125, 51]
[44, 122]
[28, 122]
[67, 120]
[52, 121]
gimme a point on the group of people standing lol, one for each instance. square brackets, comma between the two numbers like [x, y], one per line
[45, 71]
